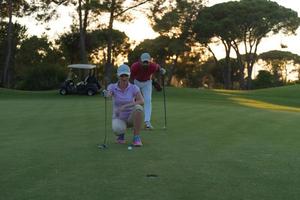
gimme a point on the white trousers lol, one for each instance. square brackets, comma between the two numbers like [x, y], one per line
[146, 89]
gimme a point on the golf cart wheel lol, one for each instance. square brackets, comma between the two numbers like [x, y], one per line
[90, 92]
[63, 91]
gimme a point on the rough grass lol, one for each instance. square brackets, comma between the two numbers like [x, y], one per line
[218, 145]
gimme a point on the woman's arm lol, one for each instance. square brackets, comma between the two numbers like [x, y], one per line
[139, 100]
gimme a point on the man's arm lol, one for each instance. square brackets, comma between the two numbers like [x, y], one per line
[160, 69]
[133, 72]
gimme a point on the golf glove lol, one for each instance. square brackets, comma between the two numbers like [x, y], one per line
[162, 71]
[105, 93]
[156, 85]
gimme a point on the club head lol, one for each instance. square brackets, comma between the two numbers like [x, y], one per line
[102, 146]
[164, 128]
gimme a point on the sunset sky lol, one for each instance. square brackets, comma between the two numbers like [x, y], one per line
[140, 29]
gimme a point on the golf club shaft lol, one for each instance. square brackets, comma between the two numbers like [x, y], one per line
[165, 107]
[105, 114]
[105, 120]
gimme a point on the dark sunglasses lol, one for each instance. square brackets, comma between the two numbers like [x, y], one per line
[124, 75]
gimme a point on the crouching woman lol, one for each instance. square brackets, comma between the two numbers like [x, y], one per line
[127, 106]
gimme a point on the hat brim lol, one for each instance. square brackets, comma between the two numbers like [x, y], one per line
[145, 60]
[120, 74]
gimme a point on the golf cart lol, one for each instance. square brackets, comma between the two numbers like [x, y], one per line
[87, 84]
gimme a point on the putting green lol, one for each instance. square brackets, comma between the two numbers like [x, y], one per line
[218, 145]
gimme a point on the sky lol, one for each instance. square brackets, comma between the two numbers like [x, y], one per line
[140, 29]
[274, 42]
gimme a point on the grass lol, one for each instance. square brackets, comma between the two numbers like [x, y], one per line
[218, 145]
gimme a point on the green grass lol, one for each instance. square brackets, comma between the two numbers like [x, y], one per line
[218, 145]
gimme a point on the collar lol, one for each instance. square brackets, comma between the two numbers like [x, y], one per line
[118, 88]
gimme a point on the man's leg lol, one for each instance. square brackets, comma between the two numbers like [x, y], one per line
[146, 89]
[147, 93]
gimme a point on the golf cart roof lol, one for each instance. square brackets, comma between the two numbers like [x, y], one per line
[82, 66]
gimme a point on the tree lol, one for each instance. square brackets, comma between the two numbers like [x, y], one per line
[173, 20]
[242, 25]
[216, 25]
[9, 9]
[40, 65]
[264, 79]
[5, 78]
[117, 10]
[277, 62]
[96, 42]
[18, 35]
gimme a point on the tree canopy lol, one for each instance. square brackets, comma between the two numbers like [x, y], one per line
[242, 25]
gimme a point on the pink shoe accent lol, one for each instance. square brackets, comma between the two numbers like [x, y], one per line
[137, 142]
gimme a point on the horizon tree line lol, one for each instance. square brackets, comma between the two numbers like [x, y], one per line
[182, 26]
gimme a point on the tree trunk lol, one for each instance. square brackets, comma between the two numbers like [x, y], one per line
[227, 68]
[171, 71]
[6, 69]
[83, 58]
[241, 66]
[249, 79]
[108, 65]
[251, 62]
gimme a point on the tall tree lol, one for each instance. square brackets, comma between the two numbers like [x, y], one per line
[277, 62]
[96, 43]
[173, 21]
[9, 9]
[215, 25]
[244, 24]
[256, 20]
[82, 30]
[116, 9]
[5, 78]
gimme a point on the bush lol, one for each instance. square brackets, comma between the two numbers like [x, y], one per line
[264, 79]
[41, 78]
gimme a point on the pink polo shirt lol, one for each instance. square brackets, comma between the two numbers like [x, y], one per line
[141, 73]
[121, 98]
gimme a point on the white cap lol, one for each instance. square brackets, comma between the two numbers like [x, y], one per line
[123, 69]
[145, 57]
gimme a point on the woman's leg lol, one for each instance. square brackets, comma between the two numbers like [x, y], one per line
[135, 120]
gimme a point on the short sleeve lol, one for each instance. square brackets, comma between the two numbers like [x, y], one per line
[110, 87]
[136, 90]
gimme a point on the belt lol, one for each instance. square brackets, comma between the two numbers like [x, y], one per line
[143, 80]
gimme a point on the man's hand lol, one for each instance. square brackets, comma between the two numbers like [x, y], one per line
[156, 85]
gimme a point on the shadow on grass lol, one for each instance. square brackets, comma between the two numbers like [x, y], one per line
[245, 98]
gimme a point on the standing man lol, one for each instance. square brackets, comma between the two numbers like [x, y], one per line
[141, 72]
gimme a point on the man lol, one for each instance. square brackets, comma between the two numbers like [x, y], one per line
[141, 73]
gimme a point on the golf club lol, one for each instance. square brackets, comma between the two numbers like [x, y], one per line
[105, 145]
[165, 107]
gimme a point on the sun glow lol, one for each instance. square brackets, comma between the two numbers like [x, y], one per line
[264, 105]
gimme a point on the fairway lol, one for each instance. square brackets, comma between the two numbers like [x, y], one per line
[218, 145]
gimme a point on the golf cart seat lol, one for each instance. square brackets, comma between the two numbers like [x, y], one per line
[90, 85]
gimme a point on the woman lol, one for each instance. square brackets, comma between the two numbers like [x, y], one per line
[127, 106]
